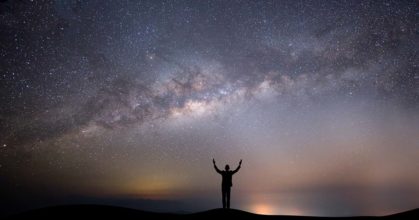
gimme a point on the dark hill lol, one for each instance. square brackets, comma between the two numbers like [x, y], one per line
[111, 212]
[412, 214]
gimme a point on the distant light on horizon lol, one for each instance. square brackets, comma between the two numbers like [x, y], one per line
[264, 209]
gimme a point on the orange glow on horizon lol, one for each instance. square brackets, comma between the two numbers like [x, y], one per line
[153, 187]
[270, 209]
[263, 209]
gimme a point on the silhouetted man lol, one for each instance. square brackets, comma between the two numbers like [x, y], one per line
[227, 182]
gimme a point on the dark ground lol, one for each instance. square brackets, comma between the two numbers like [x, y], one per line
[110, 212]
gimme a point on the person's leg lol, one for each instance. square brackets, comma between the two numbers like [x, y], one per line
[224, 192]
[228, 197]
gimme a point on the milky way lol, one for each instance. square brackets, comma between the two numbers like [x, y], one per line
[127, 102]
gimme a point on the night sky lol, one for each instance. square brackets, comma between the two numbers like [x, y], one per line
[126, 103]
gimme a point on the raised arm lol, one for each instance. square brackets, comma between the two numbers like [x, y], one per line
[215, 166]
[238, 168]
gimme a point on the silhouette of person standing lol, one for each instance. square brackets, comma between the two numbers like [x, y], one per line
[227, 182]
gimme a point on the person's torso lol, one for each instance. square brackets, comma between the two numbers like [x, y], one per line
[227, 178]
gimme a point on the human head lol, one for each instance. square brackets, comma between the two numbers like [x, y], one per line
[227, 167]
